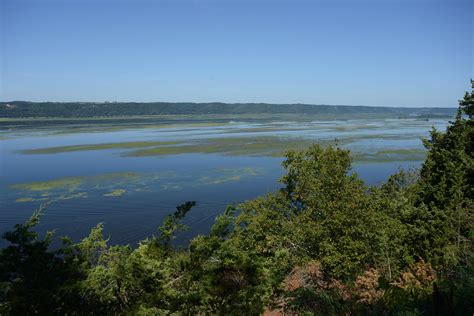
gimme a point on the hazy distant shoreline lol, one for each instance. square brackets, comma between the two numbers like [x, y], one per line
[23, 109]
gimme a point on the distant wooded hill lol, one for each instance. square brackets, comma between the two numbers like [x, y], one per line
[17, 109]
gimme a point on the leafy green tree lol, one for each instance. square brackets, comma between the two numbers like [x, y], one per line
[30, 275]
[336, 222]
[447, 191]
[172, 223]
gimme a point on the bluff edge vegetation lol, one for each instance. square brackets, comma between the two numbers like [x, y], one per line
[325, 244]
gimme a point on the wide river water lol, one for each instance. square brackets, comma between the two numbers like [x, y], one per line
[131, 192]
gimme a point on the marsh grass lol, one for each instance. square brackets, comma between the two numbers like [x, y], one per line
[70, 183]
[117, 184]
[116, 192]
[237, 146]
[92, 147]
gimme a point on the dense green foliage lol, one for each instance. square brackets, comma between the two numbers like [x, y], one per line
[94, 109]
[324, 244]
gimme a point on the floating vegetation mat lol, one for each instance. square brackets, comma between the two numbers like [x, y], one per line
[91, 147]
[114, 185]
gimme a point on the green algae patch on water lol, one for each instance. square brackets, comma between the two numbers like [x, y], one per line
[93, 147]
[210, 180]
[24, 200]
[66, 183]
[70, 183]
[221, 175]
[246, 171]
[69, 188]
[116, 192]
[63, 197]
[31, 199]
[170, 187]
[231, 146]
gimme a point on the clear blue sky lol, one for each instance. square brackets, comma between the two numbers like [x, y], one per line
[385, 52]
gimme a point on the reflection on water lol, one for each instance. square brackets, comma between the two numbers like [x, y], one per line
[131, 195]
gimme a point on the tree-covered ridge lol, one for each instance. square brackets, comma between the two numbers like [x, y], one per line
[22, 109]
[325, 244]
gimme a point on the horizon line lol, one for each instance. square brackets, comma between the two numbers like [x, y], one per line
[236, 103]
